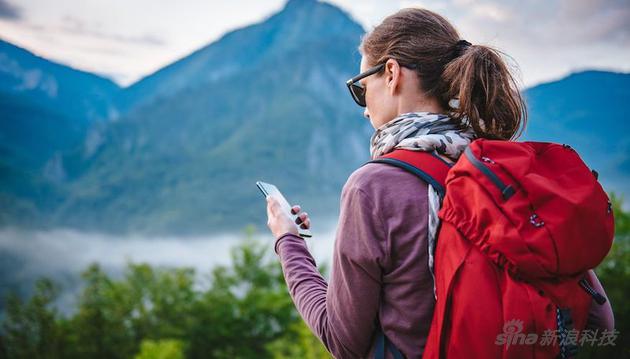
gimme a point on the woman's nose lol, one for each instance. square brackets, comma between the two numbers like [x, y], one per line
[366, 113]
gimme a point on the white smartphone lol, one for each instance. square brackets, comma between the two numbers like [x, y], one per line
[268, 189]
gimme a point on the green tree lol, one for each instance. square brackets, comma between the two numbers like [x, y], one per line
[244, 312]
[30, 328]
[103, 324]
[115, 316]
[247, 307]
[298, 342]
[161, 349]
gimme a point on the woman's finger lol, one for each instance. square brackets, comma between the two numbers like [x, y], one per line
[295, 209]
[301, 217]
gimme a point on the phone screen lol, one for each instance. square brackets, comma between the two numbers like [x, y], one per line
[268, 189]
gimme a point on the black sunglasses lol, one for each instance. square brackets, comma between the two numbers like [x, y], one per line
[358, 91]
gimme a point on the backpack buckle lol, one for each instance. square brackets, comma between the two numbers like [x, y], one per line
[486, 159]
[536, 221]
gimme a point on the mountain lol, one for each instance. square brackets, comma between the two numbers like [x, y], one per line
[186, 154]
[265, 102]
[73, 93]
[47, 107]
[301, 23]
[45, 110]
[587, 110]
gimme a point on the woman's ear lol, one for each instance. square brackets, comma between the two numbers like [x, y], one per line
[392, 75]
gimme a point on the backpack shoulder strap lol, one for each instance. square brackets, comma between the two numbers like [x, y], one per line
[433, 170]
[426, 165]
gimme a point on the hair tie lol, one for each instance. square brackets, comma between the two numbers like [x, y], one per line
[461, 46]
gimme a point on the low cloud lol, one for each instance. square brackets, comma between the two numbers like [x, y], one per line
[62, 254]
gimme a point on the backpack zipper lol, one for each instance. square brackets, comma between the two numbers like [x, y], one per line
[565, 326]
[600, 299]
[506, 190]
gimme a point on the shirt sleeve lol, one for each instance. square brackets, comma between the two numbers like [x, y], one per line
[601, 315]
[341, 313]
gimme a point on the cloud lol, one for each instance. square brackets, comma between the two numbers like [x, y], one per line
[541, 22]
[61, 254]
[489, 11]
[551, 23]
[8, 11]
[76, 26]
[598, 20]
[547, 38]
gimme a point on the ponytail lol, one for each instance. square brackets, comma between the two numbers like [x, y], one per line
[487, 92]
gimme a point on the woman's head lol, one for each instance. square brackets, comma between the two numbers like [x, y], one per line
[426, 64]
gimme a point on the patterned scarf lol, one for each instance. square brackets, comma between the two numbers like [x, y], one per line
[424, 131]
[421, 131]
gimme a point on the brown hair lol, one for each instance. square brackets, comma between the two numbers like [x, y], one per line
[476, 75]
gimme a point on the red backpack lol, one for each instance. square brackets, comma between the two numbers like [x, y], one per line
[521, 224]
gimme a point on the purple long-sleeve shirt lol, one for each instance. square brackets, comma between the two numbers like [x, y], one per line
[379, 268]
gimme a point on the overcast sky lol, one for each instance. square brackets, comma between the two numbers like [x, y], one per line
[128, 39]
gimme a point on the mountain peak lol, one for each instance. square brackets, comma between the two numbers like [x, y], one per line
[300, 26]
[312, 19]
[294, 3]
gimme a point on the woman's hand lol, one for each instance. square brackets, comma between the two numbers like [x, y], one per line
[280, 222]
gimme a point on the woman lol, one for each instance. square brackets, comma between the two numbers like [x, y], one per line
[423, 89]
